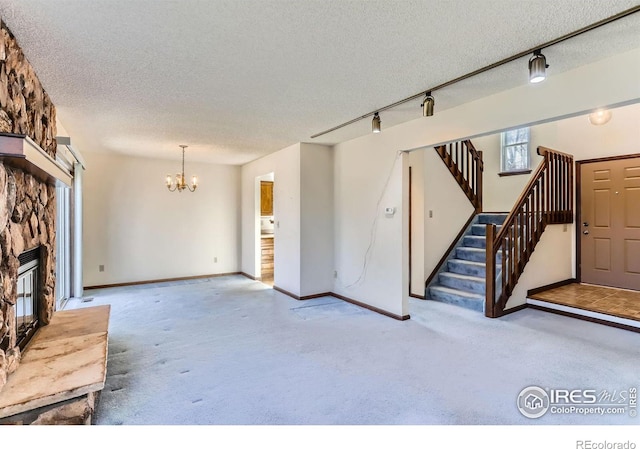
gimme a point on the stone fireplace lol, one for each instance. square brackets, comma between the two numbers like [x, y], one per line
[56, 376]
[27, 222]
[27, 197]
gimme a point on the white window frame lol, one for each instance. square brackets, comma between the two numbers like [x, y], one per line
[63, 246]
[503, 151]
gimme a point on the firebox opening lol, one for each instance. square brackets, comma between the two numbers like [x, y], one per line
[28, 301]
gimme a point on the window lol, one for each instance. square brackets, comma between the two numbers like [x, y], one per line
[514, 154]
[63, 230]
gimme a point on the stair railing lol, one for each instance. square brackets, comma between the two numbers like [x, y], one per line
[465, 164]
[547, 199]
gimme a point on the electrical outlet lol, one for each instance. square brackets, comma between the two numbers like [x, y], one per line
[100, 268]
[335, 274]
[430, 214]
[215, 260]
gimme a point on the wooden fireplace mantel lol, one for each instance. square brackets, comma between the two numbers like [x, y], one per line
[20, 151]
[66, 359]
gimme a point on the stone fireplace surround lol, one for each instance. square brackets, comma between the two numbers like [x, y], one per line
[60, 373]
[58, 376]
[27, 202]
[27, 220]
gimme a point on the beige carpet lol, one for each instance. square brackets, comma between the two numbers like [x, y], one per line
[233, 351]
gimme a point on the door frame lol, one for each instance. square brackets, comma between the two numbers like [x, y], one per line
[578, 205]
[257, 231]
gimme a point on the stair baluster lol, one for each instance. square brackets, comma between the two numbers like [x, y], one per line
[465, 164]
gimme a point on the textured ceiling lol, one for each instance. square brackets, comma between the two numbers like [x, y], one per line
[238, 79]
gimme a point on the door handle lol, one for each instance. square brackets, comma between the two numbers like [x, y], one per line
[585, 232]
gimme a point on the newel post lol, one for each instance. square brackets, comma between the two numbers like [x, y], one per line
[490, 302]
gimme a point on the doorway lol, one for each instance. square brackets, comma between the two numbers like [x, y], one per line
[608, 232]
[266, 248]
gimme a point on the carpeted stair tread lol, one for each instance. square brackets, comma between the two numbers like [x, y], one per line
[460, 298]
[467, 267]
[481, 229]
[475, 241]
[462, 276]
[454, 291]
[474, 254]
[496, 219]
[462, 282]
[471, 254]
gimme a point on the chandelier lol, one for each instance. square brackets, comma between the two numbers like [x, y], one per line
[179, 182]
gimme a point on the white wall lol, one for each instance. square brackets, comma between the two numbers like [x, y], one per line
[621, 135]
[501, 192]
[551, 261]
[285, 166]
[140, 231]
[450, 206]
[368, 244]
[363, 165]
[435, 191]
[303, 214]
[316, 220]
[417, 164]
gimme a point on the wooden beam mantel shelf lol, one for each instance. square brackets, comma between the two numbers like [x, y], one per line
[65, 361]
[20, 151]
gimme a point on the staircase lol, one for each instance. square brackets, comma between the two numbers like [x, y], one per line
[482, 266]
[462, 279]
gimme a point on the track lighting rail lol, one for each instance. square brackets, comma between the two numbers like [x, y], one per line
[524, 53]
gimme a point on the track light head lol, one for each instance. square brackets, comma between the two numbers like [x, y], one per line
[427, 105]
[375, 123]
[537, 67]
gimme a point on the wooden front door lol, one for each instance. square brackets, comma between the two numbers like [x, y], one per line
[610, 223]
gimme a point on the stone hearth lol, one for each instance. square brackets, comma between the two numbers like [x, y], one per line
[62, 373]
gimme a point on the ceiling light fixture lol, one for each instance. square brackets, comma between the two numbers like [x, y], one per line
[375, 123]
[537, 67]
[427, 105]
[179, 182]
[522, 54]
[600, 117]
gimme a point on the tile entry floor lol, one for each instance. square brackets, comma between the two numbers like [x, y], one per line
[267, 280]
[608, 300]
